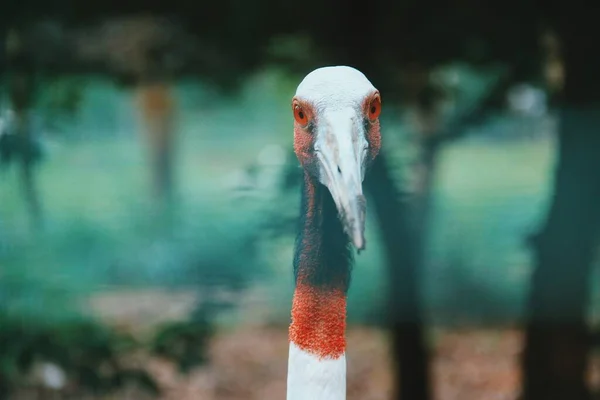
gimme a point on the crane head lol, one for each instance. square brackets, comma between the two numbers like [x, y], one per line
[336, 136]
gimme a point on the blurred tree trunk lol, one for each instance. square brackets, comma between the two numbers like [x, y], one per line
[21, 92]
[428, 130]
[156, 103]
[557, 342]
[28, 182]
[404, 306]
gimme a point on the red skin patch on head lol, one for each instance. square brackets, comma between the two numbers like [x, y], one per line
[303, 144]
[303, 139]
[310, 195]
[319, 320]
[374, 139]
[373, 133]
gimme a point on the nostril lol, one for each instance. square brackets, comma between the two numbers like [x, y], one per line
[339, 170]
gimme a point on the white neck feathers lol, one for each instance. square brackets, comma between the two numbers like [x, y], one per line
[311, 378]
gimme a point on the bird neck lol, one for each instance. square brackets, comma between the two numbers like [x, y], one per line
[322, 267]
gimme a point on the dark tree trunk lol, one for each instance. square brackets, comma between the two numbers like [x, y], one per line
[428, 133]
[21, 88]
[405, 314]
[157, 108]
[28, 183]
[163, 161]
[557, 338]
[557, 344]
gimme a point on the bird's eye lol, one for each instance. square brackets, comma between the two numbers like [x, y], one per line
[374, 107]
[300, 115]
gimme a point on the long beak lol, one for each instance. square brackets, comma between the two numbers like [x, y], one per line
[342, 174]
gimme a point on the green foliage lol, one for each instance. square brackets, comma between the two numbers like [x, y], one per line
[86, 350]
[59, 101]
[14, 148]
[63, 95]
[184, 342]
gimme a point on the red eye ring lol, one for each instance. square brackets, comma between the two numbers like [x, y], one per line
[300, 114]
[374, 108]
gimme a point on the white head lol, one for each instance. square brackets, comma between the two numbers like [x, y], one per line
[336, 135]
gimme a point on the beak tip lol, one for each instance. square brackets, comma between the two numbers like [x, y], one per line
[358, 240]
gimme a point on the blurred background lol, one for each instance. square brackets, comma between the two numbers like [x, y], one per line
[149, 195]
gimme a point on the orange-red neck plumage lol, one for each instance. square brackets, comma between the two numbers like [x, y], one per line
[319, 320]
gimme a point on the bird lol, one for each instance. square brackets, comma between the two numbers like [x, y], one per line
[336, 138]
